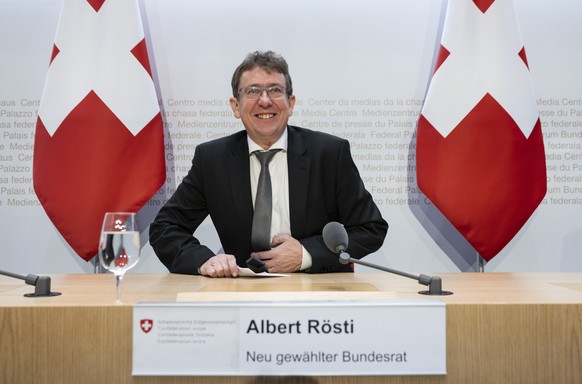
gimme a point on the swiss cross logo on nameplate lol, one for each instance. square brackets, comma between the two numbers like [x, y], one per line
[146, 325]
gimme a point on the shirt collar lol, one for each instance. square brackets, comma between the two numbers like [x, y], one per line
[279, 144]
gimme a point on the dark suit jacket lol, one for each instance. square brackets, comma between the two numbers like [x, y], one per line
[324, 186]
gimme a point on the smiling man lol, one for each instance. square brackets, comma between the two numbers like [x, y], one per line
[313, 180]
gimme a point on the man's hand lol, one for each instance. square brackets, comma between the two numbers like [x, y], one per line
[285, 256]
[220, 266]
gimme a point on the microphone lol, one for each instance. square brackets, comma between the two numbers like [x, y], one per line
[336, 239]
[42, 284]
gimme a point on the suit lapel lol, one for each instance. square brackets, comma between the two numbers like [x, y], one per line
[298, 168]
[238, 173]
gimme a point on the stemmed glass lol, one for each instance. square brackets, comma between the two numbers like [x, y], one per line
[119, 245]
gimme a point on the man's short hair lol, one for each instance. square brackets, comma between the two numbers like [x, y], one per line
[269, 61]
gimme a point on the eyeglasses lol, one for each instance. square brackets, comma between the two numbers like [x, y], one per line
[252, 92]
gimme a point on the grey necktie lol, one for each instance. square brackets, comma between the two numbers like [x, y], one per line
[261, 234]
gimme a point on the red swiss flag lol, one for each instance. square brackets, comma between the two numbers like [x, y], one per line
[99, 142]
[480, 152]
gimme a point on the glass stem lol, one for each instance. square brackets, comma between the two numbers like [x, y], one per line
[118, 281]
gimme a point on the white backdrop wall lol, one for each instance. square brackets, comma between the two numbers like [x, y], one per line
[360, 71]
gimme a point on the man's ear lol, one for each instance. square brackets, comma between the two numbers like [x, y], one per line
[291, 104]
[235, 107]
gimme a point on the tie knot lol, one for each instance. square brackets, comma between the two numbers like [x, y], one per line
[265, 157]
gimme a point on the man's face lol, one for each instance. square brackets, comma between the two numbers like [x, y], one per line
[264, 118]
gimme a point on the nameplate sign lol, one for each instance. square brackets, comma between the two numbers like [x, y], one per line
[327, 338]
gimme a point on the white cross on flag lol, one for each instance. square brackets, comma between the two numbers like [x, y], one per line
[99, 142]
[480, 152]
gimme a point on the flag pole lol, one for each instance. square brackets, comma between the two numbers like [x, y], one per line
[481, 263]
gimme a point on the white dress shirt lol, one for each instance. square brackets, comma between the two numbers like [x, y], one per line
[280, 218]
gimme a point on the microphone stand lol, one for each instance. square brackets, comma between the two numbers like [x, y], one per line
[42, 284]
[434, 283]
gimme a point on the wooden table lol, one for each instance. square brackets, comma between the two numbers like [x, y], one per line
[501, 327]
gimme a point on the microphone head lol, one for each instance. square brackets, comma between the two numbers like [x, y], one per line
[335, 237]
